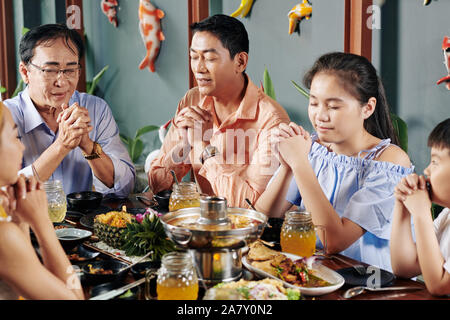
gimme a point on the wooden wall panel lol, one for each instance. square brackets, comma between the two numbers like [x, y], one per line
[358, 37]
[7, 49]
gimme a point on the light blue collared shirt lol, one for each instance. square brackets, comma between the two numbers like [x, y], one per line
[74, 171]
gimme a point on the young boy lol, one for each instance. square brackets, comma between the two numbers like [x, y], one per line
[430, 253]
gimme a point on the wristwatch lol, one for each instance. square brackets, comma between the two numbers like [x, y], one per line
[208, 152]
[97, 151]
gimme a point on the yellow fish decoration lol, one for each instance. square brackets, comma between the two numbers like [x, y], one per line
[297, 13]
[244, 8]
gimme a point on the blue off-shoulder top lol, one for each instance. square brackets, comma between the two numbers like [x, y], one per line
[360, 189]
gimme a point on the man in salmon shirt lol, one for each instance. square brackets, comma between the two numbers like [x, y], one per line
[222, 127]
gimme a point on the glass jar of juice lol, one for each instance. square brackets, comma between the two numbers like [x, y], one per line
[298, 235]
[184, 195]
[177, 279]
[56, 198]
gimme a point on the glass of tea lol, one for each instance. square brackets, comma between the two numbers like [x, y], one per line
[176, 279]
[299, 235]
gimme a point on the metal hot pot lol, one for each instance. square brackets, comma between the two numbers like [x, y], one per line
[215, 235]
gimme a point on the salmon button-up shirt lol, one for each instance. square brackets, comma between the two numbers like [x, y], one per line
[245, 162]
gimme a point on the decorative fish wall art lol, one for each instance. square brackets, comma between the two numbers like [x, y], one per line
[446, 49]
[109, 8]
[151, 33]
[297, 13]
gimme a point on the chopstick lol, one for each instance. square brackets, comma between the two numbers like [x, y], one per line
[113, 293]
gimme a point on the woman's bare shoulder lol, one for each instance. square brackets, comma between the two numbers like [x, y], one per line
[396, 155]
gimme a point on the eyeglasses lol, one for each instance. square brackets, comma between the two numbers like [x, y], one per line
[51, 74]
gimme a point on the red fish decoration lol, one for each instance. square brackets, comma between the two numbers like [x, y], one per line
[446, 49]
[109, 8]
[150, 29]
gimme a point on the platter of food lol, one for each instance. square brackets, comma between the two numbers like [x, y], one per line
[266, 289]
[311, 278]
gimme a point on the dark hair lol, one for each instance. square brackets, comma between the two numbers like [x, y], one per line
[230, 31]
[360, 79]
[47, 33]
[440, 136]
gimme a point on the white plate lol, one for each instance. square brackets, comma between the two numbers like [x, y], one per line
[320, 271]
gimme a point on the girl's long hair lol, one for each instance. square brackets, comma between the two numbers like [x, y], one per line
[360, 79]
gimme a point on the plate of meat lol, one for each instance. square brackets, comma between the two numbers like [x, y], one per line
[307, 275]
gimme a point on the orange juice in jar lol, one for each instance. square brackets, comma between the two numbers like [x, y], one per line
[184, 195]
[177, 279]
[298, 235]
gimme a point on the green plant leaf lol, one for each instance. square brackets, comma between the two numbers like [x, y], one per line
[25, 30]
[268, 85]
[145, 129]
[96, 80]
[401, 128]
[138, 147]
[2, 90]
[124, 139]
[300, 89]
[20, 87]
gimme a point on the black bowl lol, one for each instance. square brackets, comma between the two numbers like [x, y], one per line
[86, 200]
[106, 287]
[272, 234]
[72, 237]
[113, 265]
[81, 254]
[163, 198]
[138, 270]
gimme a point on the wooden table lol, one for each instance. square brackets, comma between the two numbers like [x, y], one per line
[333, 264]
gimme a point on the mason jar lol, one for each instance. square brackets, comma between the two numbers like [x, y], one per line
[184, 195]
[177, 278]
[298, 235]
[56, 198]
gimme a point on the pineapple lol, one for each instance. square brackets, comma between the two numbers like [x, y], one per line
[109, 226]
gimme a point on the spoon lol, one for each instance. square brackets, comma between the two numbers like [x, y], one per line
[352, 292]
[174, 176]
[131, 265]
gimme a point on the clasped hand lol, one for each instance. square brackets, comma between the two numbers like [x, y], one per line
[74, 126]
[194, 122]
[413, 193]
[291, 144]
[25, 201]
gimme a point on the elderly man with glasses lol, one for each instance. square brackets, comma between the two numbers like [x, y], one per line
[68, 135]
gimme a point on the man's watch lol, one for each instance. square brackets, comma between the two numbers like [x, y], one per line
[97, 151]
[209, 152]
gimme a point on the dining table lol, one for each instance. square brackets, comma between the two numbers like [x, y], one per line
[334, 262]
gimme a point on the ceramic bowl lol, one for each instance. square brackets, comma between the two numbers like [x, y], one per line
[83, 201]
[163, 198]
[72, 237]
[96, 278]
[138, 270]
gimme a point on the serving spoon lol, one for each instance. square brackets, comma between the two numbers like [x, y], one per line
[352, 292]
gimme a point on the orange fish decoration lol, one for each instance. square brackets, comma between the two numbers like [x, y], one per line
[109, 8]
[152, 35]
[446, 49]
[297, 13]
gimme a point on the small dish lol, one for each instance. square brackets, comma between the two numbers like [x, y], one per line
[131, 294]
[163, 198]
[72, 237]
[320, 271]
[114, 265]
[85, 200]
[81, 254]
[139, 269]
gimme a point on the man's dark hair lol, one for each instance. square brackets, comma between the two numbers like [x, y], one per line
[45, 34]
[439, 138]
[230, 31]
